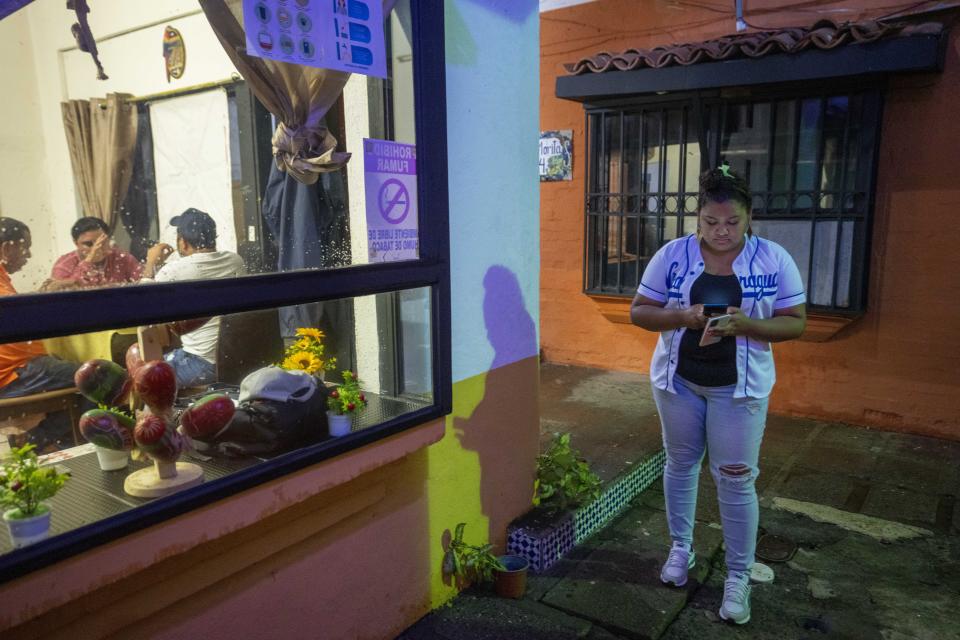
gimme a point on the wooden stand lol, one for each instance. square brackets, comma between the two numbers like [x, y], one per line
[163, 479]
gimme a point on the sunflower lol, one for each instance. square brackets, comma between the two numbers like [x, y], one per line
[303, 361]
[310, 332]
[304, 344]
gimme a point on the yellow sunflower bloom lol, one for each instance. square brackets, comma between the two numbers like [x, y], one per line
[303, 361]
[303, 344]
[310, 332]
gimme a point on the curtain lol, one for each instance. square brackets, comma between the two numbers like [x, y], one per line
[304, 202]
[299, 96]
[101, 136]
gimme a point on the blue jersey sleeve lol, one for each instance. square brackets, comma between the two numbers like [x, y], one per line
[653, 284]
[790, 290]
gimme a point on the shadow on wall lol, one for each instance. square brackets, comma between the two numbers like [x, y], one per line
[510, 329]
[461, 47]
[503, 428]
[515, 10]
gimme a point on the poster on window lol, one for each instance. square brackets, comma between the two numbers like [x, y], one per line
[390, 186]
[556, 155]
[346, 35]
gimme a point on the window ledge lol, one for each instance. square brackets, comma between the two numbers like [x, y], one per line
[56, 585]
[820, 328]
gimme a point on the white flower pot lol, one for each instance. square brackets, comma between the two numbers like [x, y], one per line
[25, 531]
[338, 424]
[111, 459]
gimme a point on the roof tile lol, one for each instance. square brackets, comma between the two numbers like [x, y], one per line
[824, 34]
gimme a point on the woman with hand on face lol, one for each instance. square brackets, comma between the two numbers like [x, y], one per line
[713, 399]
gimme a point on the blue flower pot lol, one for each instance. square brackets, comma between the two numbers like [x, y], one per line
[26, 531]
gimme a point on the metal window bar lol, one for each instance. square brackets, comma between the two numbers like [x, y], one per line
[842, 170]
[795, 156]
[682, 183]
[620, 210]
[587, 183]
[817, 196]
[711, 128]
[662, 169]
[771, 152]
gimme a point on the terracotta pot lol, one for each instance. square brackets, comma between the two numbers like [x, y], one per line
[511, 583]
[25, 531]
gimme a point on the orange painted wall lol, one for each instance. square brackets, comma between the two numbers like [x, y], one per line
[896, 367]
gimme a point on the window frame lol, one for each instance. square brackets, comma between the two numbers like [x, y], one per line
[37, 316]
[703, 104]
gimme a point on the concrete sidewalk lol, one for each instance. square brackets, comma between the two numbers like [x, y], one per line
[859, 526]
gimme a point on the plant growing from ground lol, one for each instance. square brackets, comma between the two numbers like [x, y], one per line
[24, 484]
[564, 479]
[468, 562]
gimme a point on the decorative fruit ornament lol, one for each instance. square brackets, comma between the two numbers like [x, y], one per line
[207, 416]
[158, 438]
[108, 429]
[103, 382]
[156, 384]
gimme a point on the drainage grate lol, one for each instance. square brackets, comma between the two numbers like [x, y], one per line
[774, 548]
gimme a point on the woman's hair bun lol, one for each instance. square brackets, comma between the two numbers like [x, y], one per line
[712, 179]
[721, 184]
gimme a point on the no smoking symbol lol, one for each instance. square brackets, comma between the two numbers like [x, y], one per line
[394, 201]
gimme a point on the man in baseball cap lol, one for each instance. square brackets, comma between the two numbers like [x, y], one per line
[199, 260]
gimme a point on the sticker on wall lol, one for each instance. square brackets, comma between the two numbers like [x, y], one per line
[346, 35]
[556, 155]
[174, 53]
[390, 179]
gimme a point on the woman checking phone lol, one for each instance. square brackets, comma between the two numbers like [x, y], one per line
[713, 398]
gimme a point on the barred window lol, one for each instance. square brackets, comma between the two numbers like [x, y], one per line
[809, 160]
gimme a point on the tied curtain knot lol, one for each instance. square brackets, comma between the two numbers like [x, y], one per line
[307, 151]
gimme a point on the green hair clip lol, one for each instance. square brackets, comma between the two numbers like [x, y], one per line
[725, 170]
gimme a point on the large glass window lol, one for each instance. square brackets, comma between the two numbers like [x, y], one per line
[265, 267]
[808, 159]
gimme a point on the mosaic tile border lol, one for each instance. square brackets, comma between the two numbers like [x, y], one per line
[543, 547]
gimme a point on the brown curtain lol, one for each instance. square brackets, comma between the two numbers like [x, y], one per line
[299, 96]
[101, 135]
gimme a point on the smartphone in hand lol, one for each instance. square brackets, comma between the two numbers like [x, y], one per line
[714, 309]
[716, 322]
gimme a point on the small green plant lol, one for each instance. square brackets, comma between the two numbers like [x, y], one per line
[468, 562]
[24, 484]
[564, 479]
[348, 397]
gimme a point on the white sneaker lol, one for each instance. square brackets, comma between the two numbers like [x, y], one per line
[679, 562]
[736, 598]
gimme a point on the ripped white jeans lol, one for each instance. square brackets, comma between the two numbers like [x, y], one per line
[698, 420]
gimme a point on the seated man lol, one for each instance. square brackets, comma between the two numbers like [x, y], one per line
[96, 262]
[25, 367]
[199, 259]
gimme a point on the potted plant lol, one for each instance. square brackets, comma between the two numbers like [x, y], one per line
[343, 403]
[24, 485]
[467, 562]
[564, 479]
[510, 581]
[308, 354]
[477, 563]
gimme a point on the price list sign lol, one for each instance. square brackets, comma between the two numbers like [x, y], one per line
[346, 35]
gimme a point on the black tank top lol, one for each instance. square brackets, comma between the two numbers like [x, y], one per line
[714, 365]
